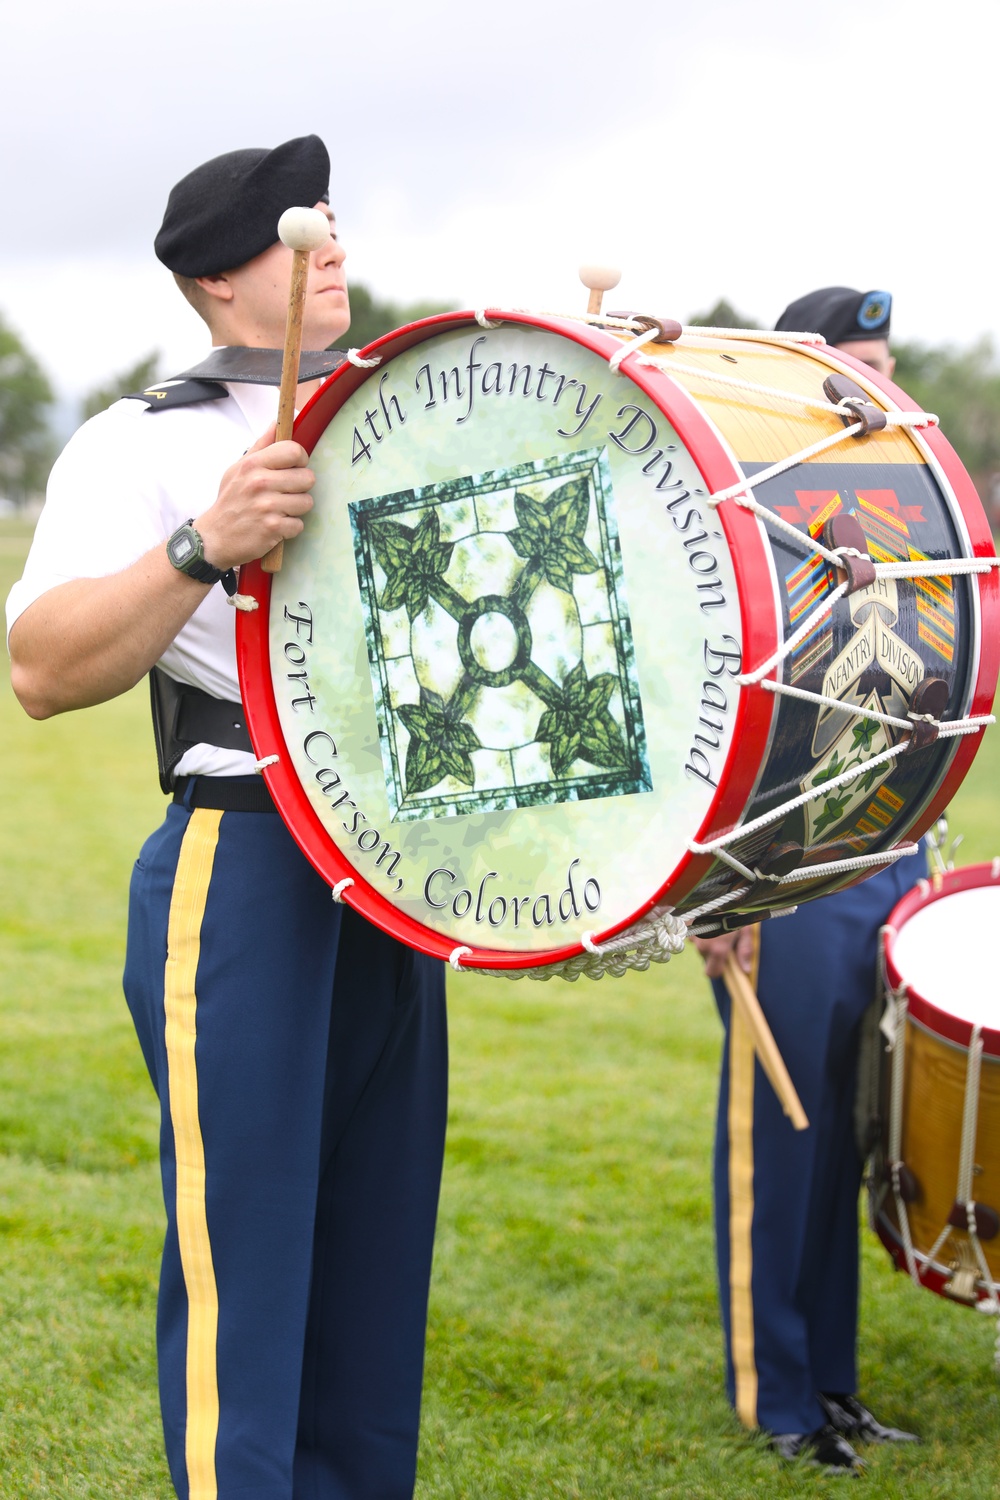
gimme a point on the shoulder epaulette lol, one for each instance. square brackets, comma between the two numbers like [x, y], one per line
[179, 393]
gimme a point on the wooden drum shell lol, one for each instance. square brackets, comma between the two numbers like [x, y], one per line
[935, 1074]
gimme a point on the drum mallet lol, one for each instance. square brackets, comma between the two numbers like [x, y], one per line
[303, 230]
[598, 280]
[741, 993]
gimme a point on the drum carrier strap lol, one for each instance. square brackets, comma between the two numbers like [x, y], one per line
[184, 716]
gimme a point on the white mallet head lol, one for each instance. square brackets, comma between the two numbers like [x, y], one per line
[600, 278]
[303, 228]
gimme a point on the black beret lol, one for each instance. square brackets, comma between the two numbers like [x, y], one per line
[840, 314]
[226, 211]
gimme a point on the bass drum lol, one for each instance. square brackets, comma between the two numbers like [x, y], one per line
[935, 1187]
[534, 673]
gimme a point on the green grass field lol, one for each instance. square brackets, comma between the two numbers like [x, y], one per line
[573, 1346]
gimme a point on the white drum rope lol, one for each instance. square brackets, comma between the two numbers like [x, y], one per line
[811, 872]
[645, 336]
[738, 866]
[764, 821]
[694, 330]
[655, 938]
[848, 866]
[354, 358]
[244, 601]
[823, 608]
[947, 731]
[264, 762]
[858, 712]
[714, 905]
[803, 538]
[340, 888]
[759, 335]
[892, 419]
[947, 567]
[484, 321]
[855, 710]
[970, 1116]
[738, 382]
[688, 330]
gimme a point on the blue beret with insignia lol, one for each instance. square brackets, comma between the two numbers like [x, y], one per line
[226, 211]
[840, 313]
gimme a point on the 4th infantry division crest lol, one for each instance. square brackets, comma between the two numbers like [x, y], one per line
[499, 642]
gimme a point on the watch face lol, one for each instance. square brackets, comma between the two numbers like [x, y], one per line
[182, 548]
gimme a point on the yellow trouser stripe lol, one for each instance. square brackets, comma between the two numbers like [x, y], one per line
[187, 909]
[741, 1085]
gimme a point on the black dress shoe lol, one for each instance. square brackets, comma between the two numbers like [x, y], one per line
[847, 1415]
[824, 1447]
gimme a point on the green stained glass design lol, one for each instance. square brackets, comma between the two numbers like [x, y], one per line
[499, 640]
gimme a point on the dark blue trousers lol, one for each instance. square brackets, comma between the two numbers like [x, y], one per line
[786, 1201]
[300, 1057]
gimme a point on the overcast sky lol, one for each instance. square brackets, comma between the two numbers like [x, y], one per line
[753, 149]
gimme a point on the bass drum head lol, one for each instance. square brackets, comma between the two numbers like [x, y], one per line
[491, 655]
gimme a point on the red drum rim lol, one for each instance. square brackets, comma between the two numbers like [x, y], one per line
[923, 894]
[931, 1278]
[759, 624]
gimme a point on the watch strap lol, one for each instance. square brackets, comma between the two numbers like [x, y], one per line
[198, 568]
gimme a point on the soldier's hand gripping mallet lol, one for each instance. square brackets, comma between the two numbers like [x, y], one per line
[303, 230]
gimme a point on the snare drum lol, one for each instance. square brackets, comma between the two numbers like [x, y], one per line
[935, 1190]
[539, 684]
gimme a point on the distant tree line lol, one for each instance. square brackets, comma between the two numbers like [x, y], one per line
[26, 446]
[962, 385]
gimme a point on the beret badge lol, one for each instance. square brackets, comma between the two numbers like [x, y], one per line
[874, 311]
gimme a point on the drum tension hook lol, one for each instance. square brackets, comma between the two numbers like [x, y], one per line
[855, 404]
[668, 330]
[771, 868]
[987, 1220]
[927, 704]
[842, 534]
[904, 1181]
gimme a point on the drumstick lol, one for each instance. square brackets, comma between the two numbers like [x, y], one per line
[598, 280]
[741, 993]
[303, 230]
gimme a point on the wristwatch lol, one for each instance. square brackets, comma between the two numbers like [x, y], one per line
[186, 551]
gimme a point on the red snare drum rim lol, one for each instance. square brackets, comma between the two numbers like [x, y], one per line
[981, 544]
[759, 626]
[923, 894]
[932, 1276]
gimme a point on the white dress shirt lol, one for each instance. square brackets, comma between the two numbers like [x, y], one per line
[124, 482]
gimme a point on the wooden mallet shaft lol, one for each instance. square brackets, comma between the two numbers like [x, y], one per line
[741, 993]
[303, 230]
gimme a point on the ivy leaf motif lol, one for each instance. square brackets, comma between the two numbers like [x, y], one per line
[581, 727]
[439, 744]
[832, 812]
[828, 772]
[550, 533]
[414, 559]
[863, 733]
